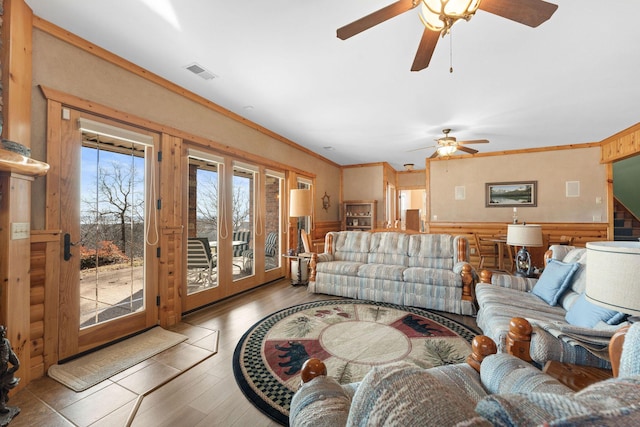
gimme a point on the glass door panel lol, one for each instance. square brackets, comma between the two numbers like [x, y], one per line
[243, 221]
[202, 241]
[112, 224]
[274, 184]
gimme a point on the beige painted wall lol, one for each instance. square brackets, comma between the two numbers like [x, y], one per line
[552, 169]
[413, 179]
[63, 67]
[365, 183]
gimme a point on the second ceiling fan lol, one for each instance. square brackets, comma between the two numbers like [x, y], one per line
[439, 15]
[447, 145]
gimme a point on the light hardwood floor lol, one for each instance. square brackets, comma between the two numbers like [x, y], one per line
[205, 395]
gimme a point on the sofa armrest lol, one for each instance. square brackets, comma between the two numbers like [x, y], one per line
[524, 284]
[469, 278]
[315, 259]
[537, 344]
[504, 373]
[320, 402]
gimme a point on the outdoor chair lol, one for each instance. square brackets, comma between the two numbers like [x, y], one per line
[270, 253]
[200, 262]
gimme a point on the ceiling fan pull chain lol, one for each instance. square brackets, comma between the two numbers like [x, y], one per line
[450, 51]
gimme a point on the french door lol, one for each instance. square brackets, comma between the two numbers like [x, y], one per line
[108, 223]
[234, 229]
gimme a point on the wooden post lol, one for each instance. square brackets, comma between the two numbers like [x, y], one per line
[519, 338]
[15, 188]
[481, 347]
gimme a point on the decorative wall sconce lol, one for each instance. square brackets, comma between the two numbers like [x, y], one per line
[326, 201]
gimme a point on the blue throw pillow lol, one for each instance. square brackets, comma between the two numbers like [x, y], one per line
[555, 279]
[587, 314]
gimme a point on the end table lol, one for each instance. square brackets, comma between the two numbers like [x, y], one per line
[301, 274]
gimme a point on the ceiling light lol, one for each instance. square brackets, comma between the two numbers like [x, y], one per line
[409, 166]
[446, 150]
[440, 15]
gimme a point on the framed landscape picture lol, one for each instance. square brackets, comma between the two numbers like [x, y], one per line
[511, 194]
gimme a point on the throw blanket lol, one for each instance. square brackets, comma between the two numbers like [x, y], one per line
[596, 341]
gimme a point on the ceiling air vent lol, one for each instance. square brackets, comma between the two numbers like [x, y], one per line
[200, 71]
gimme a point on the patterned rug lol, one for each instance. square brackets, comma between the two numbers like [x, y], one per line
[350, 336]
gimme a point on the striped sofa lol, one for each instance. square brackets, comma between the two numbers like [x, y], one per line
[421, 270]
[501, 297]
[506, 392]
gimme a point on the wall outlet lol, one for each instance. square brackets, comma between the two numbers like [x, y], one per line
[19, 230]
[597, 218]
[473, 251]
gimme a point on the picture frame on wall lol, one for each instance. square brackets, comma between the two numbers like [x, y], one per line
[511, 194]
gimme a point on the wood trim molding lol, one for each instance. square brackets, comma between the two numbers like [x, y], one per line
[621, 145]
[521, 151]
[89, 47]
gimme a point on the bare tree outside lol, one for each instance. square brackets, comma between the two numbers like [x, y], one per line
[114, 210]
[241, 207]
[112, 233]
[207, 204]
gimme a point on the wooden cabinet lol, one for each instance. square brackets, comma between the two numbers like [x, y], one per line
[359, 215]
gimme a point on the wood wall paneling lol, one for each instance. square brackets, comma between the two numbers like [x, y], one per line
[170, 276]
[623, 144]
[14, 271]
[551, 232]
[17, 46]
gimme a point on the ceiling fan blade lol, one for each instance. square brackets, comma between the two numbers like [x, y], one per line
[434, 155]
[467, 149]
[425, 50]
[418, 149]
[474, 141]
[375, 18]
[527, 12]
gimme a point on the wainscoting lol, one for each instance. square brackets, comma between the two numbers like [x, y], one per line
[551, 233]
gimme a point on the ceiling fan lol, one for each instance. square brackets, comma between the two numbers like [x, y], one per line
[447, 145]
[439, 15]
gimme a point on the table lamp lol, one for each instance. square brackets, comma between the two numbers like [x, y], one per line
[612, 271]
[300, 206]
[524, 235]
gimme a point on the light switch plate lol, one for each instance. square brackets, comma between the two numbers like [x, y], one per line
[19, 230]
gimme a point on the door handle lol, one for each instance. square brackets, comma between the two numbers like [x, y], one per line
[67, 246]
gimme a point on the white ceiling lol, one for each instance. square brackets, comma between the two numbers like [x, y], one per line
[574, 79]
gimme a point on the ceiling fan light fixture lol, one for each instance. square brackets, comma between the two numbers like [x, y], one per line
[440, 15]
[446, 150]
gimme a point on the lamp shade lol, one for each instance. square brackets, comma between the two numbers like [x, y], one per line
[300, 203]
[524, 235]
[612, 271]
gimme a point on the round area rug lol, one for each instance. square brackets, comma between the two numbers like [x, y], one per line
[350, 336]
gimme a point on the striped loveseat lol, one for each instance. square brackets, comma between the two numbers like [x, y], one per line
[421, 270]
